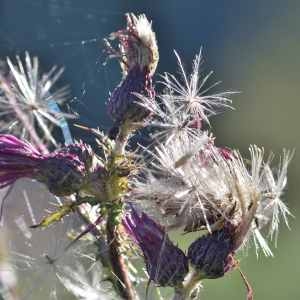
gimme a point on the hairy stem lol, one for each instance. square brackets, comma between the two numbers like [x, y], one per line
[123, 283]
[122, 139]
[119, 268]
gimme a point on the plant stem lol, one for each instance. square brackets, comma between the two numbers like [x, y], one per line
[123, 283]
[122, 139]
[119, 268]
[184, 291]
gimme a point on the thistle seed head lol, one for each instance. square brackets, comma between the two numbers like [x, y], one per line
[137, 45]
[197, 185]
[25, 94]
[191, 92]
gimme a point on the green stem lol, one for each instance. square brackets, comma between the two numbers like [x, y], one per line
[119, 268]
[122, 139]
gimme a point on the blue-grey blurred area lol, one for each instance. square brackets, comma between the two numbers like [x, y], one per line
[253, 47]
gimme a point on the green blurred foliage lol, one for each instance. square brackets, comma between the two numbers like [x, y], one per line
[266, 70]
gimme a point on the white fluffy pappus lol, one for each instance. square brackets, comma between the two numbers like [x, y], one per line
[192, 185]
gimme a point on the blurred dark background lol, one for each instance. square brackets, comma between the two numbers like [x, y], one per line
[253, 47]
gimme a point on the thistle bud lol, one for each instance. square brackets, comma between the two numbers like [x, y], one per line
[211, 254]
[138, 54]
[166, 264]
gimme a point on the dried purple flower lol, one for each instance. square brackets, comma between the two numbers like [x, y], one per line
[123, 103]
[166, 264]
[211, 254]
[62, 171]
[138, 56]
[17, 159]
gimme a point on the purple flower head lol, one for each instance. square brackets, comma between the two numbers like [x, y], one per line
[61, 171]
[166, 264]
[17, 159]
[211, 254]
[138, 55]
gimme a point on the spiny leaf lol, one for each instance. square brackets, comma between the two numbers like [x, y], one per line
[55, 216]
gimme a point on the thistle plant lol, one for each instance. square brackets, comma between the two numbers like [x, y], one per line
[132, 197]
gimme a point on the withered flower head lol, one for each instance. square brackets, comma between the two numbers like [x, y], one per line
[211, 254]
[17, 159]
[137, 45]
[138, 56]
[62, 171]
[166, 264]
